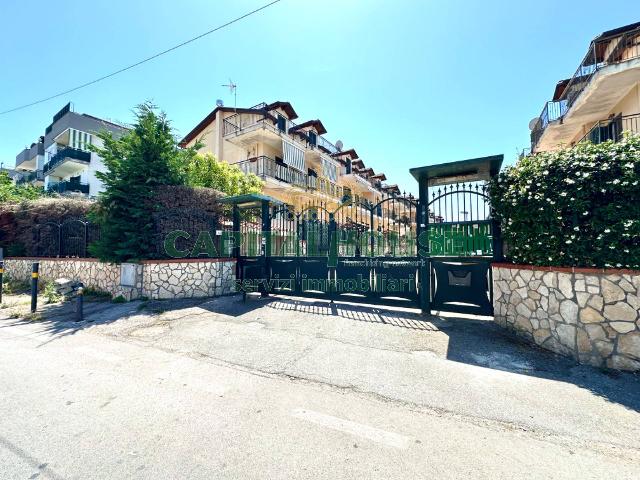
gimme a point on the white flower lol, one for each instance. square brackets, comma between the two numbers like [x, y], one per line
[563, 194]
[577, 229]
[616, 181]
[585, 213]
[569, 181]
[607, 230]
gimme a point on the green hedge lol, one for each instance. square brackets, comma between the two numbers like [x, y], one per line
[577, 207]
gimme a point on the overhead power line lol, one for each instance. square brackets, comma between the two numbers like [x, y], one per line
[148, 59]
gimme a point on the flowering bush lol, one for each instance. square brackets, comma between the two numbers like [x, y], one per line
[575, 207]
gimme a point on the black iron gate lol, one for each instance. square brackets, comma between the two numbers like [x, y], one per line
[360, 251]
[434, 253]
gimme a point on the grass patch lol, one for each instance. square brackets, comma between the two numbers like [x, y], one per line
[119, 299]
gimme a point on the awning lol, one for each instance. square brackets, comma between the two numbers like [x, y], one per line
[293, 156]
[329, 169]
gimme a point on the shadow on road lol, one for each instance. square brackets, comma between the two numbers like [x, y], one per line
[471, 340]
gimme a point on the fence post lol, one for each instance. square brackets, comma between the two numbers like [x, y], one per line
[34, 286]
[266, 242]
[1, 271]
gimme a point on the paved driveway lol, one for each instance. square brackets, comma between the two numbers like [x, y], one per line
[439, 397]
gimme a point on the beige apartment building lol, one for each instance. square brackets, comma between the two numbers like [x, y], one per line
[298, 165]
[600, 101]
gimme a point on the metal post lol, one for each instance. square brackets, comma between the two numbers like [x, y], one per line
[34, 286]
[1, 271]
[266, 243]
[80, 304]
[371, 240]
[422, 231]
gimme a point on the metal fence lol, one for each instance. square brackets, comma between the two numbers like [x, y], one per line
[70, 238]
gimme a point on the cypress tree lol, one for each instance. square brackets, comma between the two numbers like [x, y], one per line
[137, 163]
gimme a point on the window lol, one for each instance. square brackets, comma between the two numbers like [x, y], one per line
[282, 123]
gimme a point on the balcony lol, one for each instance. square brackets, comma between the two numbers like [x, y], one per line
[35, 178]
[613, 129]
[69, 187]
[610, 67]
[28, 158]
[265, 167]
[358, 183]
[67, 162]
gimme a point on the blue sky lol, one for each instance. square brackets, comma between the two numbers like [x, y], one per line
[407, 83]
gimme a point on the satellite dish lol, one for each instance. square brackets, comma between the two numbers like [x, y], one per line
[533, 122]
[219, 103]
[339, 145]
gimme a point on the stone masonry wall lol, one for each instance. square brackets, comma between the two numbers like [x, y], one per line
[588, 314]
[100, 276]
[182, 279]
[162, 279]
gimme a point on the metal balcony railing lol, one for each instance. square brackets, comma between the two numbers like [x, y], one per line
[31, 177]
[67, 153]
[267, 167]
[612, 129]
[602, 52]
[69, 187]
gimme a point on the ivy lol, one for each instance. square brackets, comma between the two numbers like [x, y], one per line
[577, 206]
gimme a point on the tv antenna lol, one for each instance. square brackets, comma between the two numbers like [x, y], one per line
[233, 89]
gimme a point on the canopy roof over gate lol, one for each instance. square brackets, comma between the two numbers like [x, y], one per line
[250, 200]
[471, 170]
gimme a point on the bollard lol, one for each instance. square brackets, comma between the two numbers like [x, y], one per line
[34, 287]
[80, 304]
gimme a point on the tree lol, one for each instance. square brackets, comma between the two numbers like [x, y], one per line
[137, 164]
[206, 171]
[16, 193]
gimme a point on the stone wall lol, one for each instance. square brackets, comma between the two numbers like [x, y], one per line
[162, 279]
[589, 314]
[188, 279]
[104, 277]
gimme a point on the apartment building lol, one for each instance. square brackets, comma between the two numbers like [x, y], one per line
[600, 101]
[61, 160]
[297, 163]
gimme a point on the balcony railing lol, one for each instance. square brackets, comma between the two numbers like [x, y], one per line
[31, 177]
[602, 52]
[68, 152]
[69, 187]
[267, 167]
[612, 129]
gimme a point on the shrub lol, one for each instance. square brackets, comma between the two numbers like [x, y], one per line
[578, 206]
[18, 221]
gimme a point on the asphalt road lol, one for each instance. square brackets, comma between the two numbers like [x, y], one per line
[288, 389]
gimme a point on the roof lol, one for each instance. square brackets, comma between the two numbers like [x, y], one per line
[286, 106]
[559, 90]
[379, 176]
[250, 200]
[391, 188]
[357, 162]
[481, 168]
[617, 31]
[317, 124]
[211, 117]
[351, 152]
